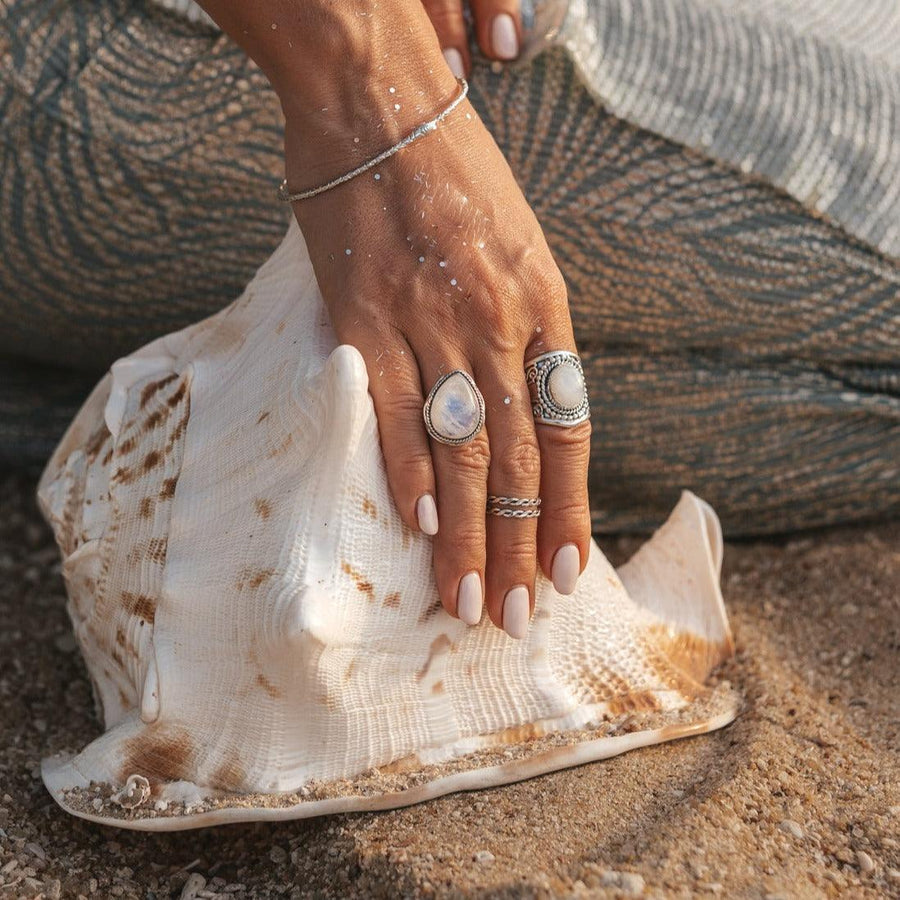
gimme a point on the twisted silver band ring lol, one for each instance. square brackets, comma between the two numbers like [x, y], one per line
[513, 507]
[558, 393]
[507, 513]
[514, 501]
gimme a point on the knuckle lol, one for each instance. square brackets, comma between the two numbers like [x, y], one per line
[575, 442]
[519, 556]
[518, 462]
[464, 542]
[472, 459]
[402, 405]
[569, 510]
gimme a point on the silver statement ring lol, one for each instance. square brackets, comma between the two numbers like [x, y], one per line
[454, 409]
[558, 392]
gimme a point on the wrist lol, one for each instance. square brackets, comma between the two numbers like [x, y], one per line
[353, 77]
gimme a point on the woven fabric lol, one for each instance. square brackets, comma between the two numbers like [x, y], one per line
[805, 93]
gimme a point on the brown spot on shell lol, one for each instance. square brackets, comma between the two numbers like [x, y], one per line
[361, 584]
[441, 644]
[267, 686]
[251, 577]
[157, 549]
[140, 605]
[410, 763]
[127, 446]
[124, 475]
[517, 734]
[368, 507]
[120, 637]
[178, 396]
[284, 445]
[167, 489]
[152, 460]
[263, 417]
[107, 458]
[392, 600]
[178, 430]
[161, 752]
[145, 509]
[150, 389]
[693, 656]
[230, 775]
[154, 419]
[348, 674]
[280, 326]
[438, 687]
[263, 507]
[637, 701]
[124, 699]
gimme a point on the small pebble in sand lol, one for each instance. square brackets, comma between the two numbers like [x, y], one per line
[628, 883]
[195, 883]
[788, 826]
[865, 862]
[483, 857]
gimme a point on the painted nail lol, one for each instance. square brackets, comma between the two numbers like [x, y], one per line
[426, 513]
[566, 566]
[516, 612]
[455, 61]
[468, 600]
[504, 41]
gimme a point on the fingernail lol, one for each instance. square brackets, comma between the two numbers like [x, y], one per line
[566, 566]
[455, 61]
[504, 40]
[468, 600]
[426, 513]
[516, 612]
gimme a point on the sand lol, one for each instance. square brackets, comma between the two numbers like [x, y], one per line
[800, 797]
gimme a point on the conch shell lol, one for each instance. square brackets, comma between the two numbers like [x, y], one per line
[263, 633]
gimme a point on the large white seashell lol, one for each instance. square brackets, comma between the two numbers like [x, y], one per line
[263, 633]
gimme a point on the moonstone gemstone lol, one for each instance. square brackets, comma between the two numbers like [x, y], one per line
[566, 385]
[454, 409]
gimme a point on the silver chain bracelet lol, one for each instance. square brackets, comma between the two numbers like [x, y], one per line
[287, 197]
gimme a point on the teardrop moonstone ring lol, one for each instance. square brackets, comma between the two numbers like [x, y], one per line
[454, 409]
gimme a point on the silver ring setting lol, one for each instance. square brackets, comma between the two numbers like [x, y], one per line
[558, 392]
[514, 507]
[454, 409]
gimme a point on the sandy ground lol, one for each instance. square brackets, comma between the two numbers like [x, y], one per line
[799, 798]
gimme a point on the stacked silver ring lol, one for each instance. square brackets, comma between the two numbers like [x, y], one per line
[558, 392]
[514, 507]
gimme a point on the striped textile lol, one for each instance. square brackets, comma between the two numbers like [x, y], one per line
[735, 343]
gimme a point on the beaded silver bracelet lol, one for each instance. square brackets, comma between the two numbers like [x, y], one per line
[421, 131]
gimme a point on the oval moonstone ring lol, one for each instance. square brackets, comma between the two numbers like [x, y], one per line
[454, 410]
[558, 392]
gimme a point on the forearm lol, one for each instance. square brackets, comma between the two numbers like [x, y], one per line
[334, 63]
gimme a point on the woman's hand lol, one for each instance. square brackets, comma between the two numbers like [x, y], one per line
[498, 29]
[431, 262]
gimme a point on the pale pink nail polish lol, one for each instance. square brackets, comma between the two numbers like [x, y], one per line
[566, 567]
[426, 513]
[454, 61]
[469, 599]
[516, 612]
[504, 40]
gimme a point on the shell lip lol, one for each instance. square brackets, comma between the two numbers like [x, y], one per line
[61, 775]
